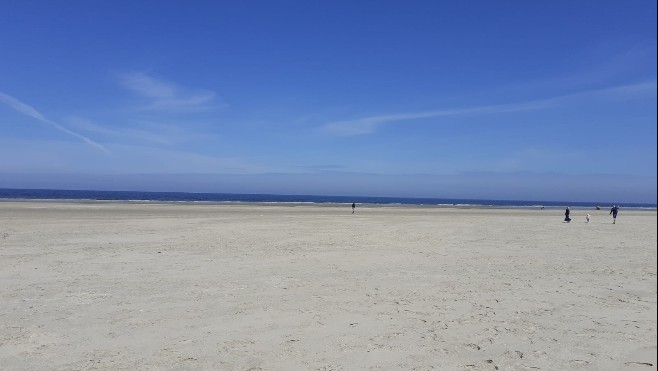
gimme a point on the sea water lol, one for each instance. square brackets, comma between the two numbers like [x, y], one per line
[134, 196]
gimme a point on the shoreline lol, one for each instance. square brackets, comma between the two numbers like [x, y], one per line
[146, 197]
[324, 204]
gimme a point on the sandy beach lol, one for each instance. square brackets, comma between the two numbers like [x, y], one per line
[134, 286]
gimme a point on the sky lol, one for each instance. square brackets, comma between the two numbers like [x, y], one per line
[474, 99]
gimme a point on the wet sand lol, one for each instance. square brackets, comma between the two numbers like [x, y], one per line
[112, 286]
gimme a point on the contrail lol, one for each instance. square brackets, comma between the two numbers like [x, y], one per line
[30, 111]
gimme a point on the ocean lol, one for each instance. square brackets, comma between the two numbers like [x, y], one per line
[139, 196]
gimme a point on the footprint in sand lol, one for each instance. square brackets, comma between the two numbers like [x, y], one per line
[473, 346]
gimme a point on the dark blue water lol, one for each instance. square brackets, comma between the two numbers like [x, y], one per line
[58, 194]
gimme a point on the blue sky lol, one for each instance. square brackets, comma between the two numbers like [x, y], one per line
[474, 99]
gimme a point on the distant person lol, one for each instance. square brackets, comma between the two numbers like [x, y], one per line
[587, 218]
[353, 207]
[566, 215]
[613, 211]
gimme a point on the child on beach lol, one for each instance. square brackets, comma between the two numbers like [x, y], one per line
[587, 218]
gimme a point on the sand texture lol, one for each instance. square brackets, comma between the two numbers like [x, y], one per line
[129, 286]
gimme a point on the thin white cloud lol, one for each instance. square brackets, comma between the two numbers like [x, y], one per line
[612, 62]
[166, 96]
[155, 136]
[368, 125]
[32, 112]
[626, 91]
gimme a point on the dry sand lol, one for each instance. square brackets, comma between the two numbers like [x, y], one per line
[120, 286]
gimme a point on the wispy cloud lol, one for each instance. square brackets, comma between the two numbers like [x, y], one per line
[624, 91]
[166, 96]
[32, 112]
[368, 125]
[606, 64]
[158, 136]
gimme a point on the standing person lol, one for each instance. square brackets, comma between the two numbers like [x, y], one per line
[613, 211]
[353, 207]
[587, 218]
[566, 215]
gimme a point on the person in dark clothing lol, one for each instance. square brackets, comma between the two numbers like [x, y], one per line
[353, 207]
[566, 215]
[613, 211]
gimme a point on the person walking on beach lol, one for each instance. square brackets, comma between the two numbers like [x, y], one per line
[587, 218]
[353, 207]
[613, 211]
[566, 215]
